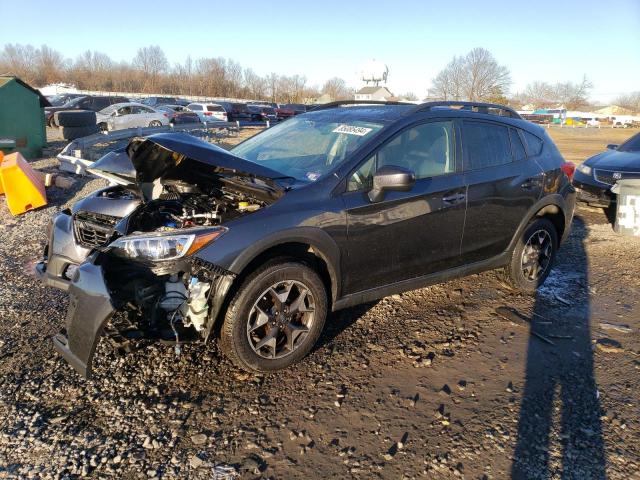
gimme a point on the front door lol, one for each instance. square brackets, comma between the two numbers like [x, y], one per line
[407, 234]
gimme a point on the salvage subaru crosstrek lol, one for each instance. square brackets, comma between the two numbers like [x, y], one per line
[339, 206]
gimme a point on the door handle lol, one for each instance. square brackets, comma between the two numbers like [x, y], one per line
[454, 199]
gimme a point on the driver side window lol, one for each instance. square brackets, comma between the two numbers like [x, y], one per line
[426, 149]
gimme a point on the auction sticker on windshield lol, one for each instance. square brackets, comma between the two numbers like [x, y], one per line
[352, 130]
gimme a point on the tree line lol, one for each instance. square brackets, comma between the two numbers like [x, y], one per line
[150, 72]
[475, 76]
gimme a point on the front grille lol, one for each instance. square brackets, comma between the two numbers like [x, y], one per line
[607, 176]
[93, 229]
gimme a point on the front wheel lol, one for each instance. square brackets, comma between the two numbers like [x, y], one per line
[532, 257]
[275, 318]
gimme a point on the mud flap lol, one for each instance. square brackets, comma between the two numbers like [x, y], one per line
[90, 307]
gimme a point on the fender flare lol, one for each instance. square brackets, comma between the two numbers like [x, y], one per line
[554, 200]
[322, 244]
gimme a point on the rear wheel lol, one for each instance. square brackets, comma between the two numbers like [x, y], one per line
[155, 123]
[275, 318]
[532, 257]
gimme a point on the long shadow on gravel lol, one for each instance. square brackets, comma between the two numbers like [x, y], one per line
[341, 320]
[560, 386]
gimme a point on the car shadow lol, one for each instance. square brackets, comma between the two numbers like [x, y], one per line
[560, 387]
[338, 322]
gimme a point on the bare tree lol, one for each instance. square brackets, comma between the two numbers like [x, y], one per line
[569, 95]
[337, 89]
[476, 77]
[410, 96]
[19, 60]
[630, 101]
[151, 62]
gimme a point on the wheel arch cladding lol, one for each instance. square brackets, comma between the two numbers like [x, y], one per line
[551, 207]
[308, 244]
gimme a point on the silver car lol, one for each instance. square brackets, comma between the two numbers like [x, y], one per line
[130, 115]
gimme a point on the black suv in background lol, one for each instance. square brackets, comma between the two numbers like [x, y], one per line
[342, 205]
[87, 102]
[236, 111]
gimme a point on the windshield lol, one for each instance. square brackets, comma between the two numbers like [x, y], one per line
[631, 145]
[304, 148]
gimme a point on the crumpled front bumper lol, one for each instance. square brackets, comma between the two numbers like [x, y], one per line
[63, 253]
[90, 307]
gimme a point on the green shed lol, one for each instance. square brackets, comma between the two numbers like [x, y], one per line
[22, 125]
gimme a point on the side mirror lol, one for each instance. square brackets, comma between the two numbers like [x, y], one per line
[612, 146]
[391, 177]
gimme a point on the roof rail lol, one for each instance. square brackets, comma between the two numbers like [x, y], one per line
[479, 107]
[339, 103]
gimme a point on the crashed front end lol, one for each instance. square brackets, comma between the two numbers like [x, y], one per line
[128, 254]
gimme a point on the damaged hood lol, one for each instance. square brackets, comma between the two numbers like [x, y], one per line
[176, 156]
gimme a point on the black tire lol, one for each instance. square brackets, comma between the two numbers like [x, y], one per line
[155, 123]
[103, 127]
[71, 133]
[533, 256]
[241, 345]
[75, 118]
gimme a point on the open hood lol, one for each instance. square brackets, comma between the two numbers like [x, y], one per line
[177, 156]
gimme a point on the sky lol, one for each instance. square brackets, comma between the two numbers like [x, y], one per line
[544, 40]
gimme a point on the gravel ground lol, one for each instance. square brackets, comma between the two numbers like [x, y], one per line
[427, 384]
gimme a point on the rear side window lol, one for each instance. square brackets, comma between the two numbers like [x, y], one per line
[214, 108]
[519, 152]
[194, 107]
[534, 144]
[487, 145]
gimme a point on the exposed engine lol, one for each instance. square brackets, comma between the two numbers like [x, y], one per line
[182, 205]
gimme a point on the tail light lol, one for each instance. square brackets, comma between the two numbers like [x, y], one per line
[569, 169]
[207, 114]
[224, 115]
[165, 115]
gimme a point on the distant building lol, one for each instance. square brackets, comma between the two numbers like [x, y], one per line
[373, 93]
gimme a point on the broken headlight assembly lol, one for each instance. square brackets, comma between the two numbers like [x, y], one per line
[157, 247]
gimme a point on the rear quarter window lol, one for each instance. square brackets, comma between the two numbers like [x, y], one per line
[519, 152]
[214, 108]
[534, 144]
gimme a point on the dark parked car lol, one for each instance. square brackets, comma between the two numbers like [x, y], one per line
[595, 177]
[62, 98]
[86, 102]
[261, 113]
[179, 114]
[330, 209]
[157, 101]
[236, 111]
[283, 112]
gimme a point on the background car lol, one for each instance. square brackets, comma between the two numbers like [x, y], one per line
[209, 112]
[283, 112]
[130, 115]
[236, 111]
[262, 113]
[179, 114]
[594, 178]
[61, 99]
[94, 103]
[156, 101]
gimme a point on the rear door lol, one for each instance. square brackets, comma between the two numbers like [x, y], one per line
[503, 184]
[407, 234]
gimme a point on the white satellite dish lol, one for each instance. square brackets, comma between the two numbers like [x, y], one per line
[374, 72]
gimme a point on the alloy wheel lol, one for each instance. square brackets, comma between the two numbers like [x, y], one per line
[536, 255]
[281, 319]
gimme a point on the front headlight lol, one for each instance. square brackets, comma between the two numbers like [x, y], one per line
[585, 169]
[161, 246]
